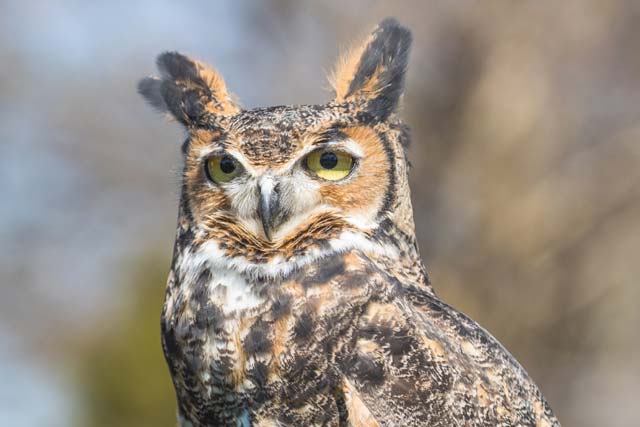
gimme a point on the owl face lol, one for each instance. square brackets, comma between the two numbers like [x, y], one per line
[274, 171]
[277, 182]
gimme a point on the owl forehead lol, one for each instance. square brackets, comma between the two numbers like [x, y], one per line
[273, 136]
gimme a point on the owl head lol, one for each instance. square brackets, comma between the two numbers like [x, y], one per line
[281, 184]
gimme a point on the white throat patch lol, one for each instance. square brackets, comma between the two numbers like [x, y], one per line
[232, 279]
[216, 259]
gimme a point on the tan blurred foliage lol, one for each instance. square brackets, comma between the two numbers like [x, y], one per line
[122, 371]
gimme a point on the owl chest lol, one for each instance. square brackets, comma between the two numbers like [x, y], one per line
[205, 317]
[274, 349]
[202, 334]
[229, 348]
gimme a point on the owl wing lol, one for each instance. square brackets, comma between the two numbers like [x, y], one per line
[419, 362]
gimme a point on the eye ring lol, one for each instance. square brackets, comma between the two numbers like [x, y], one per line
[330, 165]
[222, 168]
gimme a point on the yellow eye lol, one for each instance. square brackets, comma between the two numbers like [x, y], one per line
[221, 169]
[330, 165]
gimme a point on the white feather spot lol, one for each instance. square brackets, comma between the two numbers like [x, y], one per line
[278, 267]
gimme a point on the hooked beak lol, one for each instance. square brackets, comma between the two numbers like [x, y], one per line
[269, 205]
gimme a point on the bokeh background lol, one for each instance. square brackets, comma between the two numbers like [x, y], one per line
[526, 184]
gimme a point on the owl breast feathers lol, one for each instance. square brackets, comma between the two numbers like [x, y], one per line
[296, 295]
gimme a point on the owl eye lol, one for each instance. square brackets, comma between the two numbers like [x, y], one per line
[330, 165]
[221, 169]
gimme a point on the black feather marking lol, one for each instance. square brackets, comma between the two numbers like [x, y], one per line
[330, 268]
[303, 327]
[281, 306]
[257, 340]
[390, 194]
[366, 370]
[149, 88]
[172, 95]
[354, 280]
[385, 58]
[175, 66]
[259, 374]
[341, 404]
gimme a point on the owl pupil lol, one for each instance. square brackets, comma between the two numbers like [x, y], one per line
[328, 160]
[227, 165]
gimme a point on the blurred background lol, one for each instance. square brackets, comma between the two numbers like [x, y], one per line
[526, 184]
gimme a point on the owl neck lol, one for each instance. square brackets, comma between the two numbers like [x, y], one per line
[389, 246]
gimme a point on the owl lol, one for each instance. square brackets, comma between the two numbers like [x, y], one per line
[297, 296]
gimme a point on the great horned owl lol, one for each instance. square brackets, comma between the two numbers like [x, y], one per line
[296, 295]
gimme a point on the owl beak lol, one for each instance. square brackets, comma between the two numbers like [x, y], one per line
[269, 206]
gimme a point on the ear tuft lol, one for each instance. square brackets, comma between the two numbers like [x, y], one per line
[149, 88]
[374, 73]
[187, 89]
[344, 70]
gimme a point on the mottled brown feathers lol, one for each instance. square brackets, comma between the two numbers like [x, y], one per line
[325, 317]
